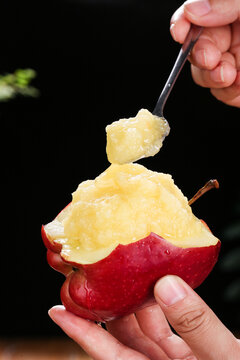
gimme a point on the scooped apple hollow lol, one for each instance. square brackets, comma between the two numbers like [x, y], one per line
[126, 229]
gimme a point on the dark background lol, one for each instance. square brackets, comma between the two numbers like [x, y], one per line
[98, 61]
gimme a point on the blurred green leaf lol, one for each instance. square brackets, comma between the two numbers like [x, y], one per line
[21, 82]
[231, 261]
[27, 74]
[29, 91]
[8, 79]
[6, 92]
[17, 83]
[232, 292]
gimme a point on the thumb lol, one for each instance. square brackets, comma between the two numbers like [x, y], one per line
[194, 321]
[212, 12]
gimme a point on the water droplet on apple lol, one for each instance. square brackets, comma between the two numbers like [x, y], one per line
[167, 252]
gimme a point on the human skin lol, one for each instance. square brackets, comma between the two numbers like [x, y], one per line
[147, 334]
[215, 58]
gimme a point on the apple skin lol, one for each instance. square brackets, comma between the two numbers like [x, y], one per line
[123, 282]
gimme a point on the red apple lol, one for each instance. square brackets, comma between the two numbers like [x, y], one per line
[123, 281]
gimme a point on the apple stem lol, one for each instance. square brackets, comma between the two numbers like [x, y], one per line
[211, 184]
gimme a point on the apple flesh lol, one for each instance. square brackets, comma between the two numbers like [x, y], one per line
[131, 139]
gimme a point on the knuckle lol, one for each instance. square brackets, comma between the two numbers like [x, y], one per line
[194, 320]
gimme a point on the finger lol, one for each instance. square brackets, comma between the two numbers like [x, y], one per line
[229, 95]
[153, 318]
[179, 26]
[222, 76]
[211, 12]
[96, 341]
[214, 13]
[235, 46]
[194, 321]
[208, 50]
[128, 332]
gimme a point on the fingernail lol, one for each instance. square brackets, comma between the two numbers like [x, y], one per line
[217, 75]
[198, 7]
[201, 57]
[55, 310]
[170, 290]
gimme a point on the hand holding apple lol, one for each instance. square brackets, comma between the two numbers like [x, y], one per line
[147, 334]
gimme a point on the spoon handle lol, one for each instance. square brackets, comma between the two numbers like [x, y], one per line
[187, 46]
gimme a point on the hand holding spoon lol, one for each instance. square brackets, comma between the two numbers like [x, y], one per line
[143, 135]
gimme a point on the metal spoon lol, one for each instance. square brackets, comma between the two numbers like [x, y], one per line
[187, 46]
